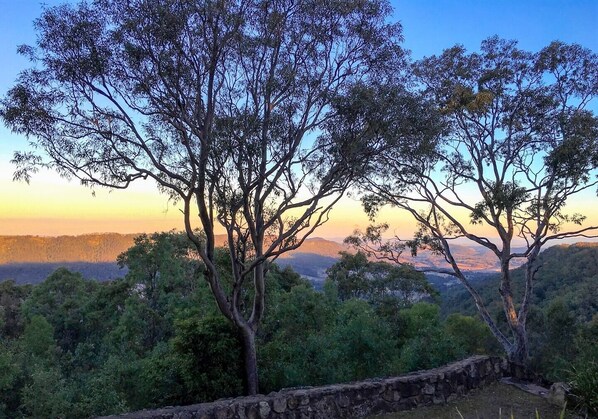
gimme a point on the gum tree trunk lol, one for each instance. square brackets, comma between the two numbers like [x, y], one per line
[250, 358]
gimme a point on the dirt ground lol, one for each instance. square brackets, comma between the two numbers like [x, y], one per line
[498, 401]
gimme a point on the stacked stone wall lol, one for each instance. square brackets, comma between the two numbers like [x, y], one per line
[357, 399]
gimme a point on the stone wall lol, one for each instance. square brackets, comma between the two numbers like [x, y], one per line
[356, 399]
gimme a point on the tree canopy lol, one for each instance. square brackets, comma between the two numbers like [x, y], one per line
[230, 107]
[513, 141]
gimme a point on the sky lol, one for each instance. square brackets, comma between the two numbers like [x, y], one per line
[53, 206]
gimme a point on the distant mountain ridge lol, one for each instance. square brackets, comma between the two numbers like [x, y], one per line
[105, 247]
[94, 248]
[29, 259]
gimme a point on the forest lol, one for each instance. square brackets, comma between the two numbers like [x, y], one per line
[71, 347]
[257, 118]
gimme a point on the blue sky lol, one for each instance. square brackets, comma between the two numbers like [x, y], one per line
[432, 25]
[429, 27]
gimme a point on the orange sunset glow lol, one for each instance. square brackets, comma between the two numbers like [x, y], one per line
[52, 206]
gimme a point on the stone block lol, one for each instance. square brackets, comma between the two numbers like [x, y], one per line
[241, 412]
[429, 389]
[279, 405]
[438, 399]
[343, 401]
[223, 413]
[409, 389]
[264, 410]
[557, 394]
[253, 412]
[391, 395]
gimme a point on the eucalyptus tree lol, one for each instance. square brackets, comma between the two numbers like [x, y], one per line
[513, 142]
[225, 104]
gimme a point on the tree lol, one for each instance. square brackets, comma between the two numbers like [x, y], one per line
[512, 143]
[425, 344]
[226, 105]
[11, 299]
[208, 353]
[61, 300]
[470, 333]
[378, 282]
[161, 273]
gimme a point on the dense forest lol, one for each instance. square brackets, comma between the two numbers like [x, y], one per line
[565, 311]
[70, 347]
[292, 106]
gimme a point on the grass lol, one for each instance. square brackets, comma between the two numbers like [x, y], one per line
[498, 401]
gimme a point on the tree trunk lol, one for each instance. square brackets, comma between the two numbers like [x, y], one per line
[250, 357]
[519, 350]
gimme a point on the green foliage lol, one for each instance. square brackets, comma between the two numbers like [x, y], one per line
[298, 313]
[38, 337]
[295, 331]
[378, 282]
[61, 300]
[429, 350]
[117, 362]
[8, 379]
[426, 345]
[582, 370]
[350, 275]
[162, 282]
[47, 395]
[584, 382]
[208, 353]
[362, 343]
[470, 334]
[11, 299]
[101, 393]
[312, 342]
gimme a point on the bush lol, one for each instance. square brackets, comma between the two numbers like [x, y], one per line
[210, 358]
[471, 334]
[584, 386]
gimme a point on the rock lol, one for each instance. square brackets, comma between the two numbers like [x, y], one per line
[429, 389]
[279, 405]
[439, 399]
[391, 395]
[223, 414]
[343, 401]
[264, 409]
[557, 394]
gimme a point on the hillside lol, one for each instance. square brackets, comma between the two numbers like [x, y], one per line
[95, 248]
[92, 248]
[34, 273]
[28, 259]
[568, 273]
[106, 247]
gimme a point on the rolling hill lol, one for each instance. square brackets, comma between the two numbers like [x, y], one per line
[568, 273]
[29, 258]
